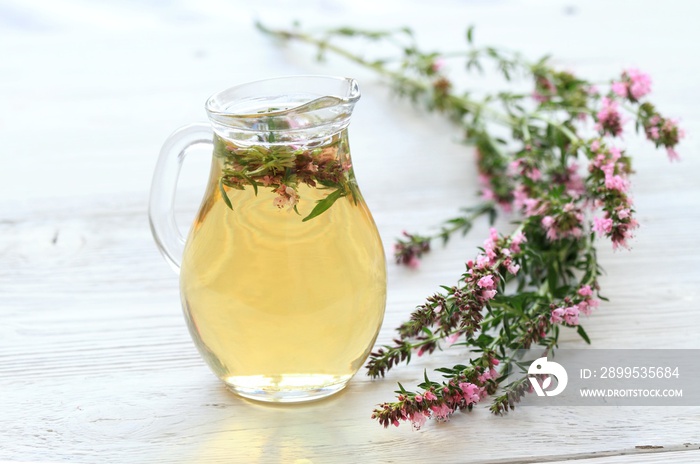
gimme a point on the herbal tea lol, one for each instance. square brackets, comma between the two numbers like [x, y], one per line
[278, 304]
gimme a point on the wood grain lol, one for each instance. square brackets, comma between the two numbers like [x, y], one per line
[95, 361]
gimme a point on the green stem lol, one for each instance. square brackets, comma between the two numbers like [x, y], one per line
[563, 129]
[423, 86]
[463, 223]
[326, 45]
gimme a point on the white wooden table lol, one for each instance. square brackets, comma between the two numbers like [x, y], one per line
[95, 361]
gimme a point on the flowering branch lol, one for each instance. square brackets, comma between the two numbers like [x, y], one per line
[563, 174]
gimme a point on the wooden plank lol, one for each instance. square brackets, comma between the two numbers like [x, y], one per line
[95, 361]
[641, 456]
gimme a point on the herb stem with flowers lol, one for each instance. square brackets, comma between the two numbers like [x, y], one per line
[562, 174]
[283, 168]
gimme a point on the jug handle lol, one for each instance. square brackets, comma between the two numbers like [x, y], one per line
[161, 214]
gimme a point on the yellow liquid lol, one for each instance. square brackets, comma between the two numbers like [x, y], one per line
[283, 310]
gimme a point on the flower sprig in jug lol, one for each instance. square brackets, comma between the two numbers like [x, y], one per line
[283, 168]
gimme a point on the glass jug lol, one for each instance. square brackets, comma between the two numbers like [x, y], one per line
[283, 275]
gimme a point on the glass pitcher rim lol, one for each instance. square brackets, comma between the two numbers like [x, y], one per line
[350, 97]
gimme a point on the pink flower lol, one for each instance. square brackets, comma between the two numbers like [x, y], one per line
[584, 308]
[486, 281]
[505, 205]
[490, 248]
[408, 252]
[609, 118]
[571, 315]
[486, 376]
[514, 166]
[437, 65]
[654, 133]
[419, 399]
[620, 88]
[574, 182]
[429, 396]
[488, 294]
[286, 196]
[664, 132]
[616, 182]
[620, 243]
[640, 83]
[487, 194]
[672, 154]
[623, 232]
[613, 181]
[576, 232]
[470, 392]
[633, 86]
[585, 291]
[557, 316]
[484, 179]
[549, 224]
[516, 240]
[442, 412]
[267, 181]
[534, 174]
[513, 268]
[519, 197]
[602, 225]
[532, 206]
[452, 339]
[482, 261]
[418, 419]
